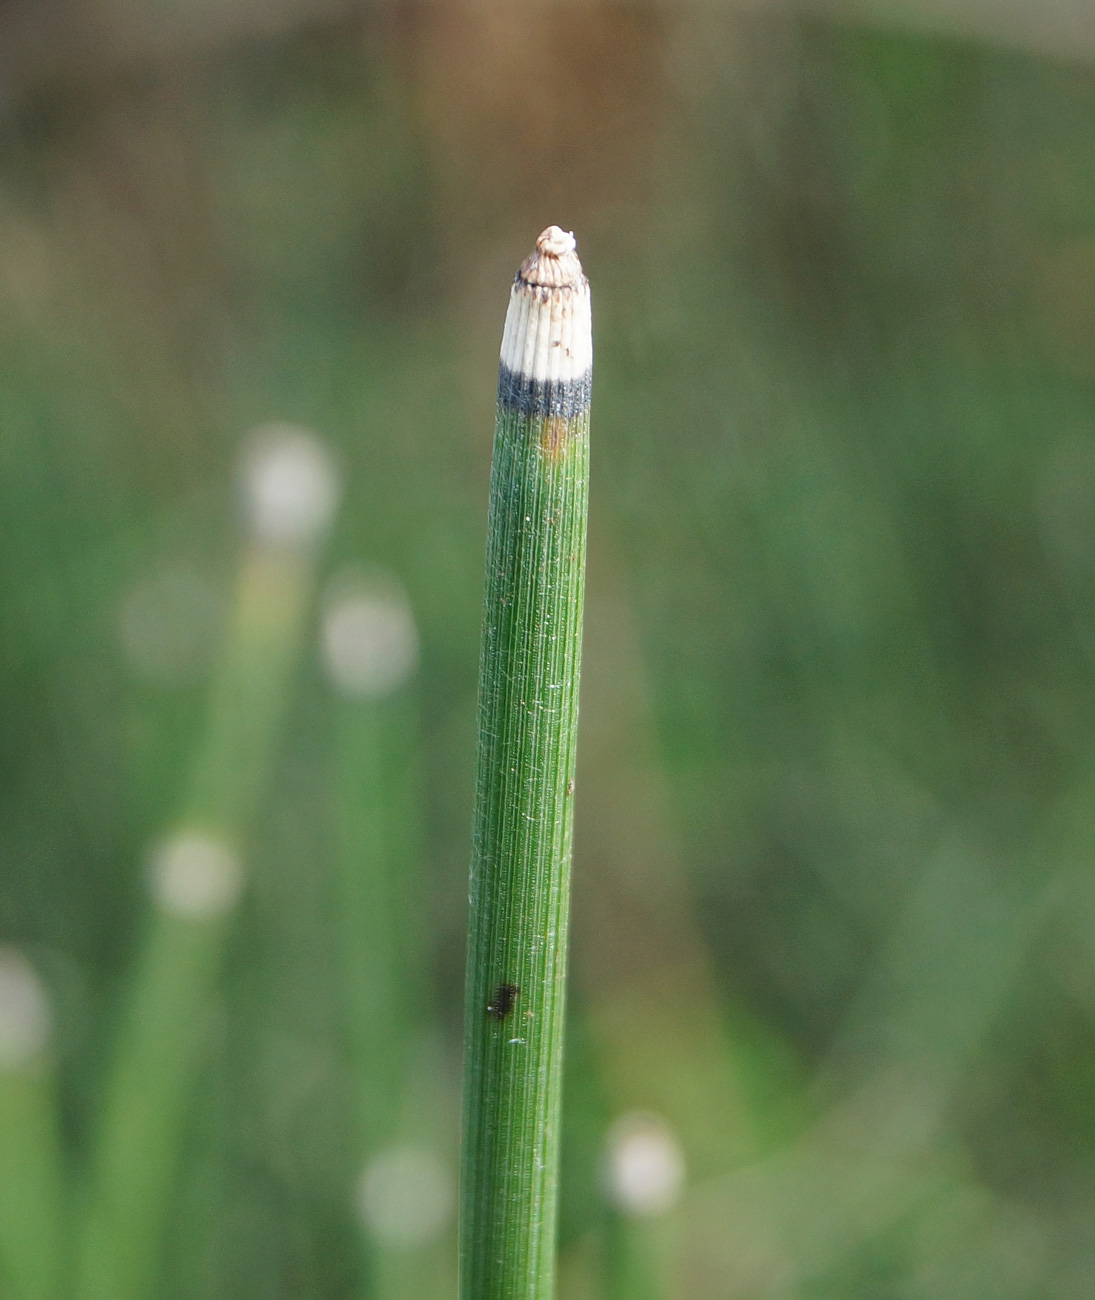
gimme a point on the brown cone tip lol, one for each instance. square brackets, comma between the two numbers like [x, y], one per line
[554, 263]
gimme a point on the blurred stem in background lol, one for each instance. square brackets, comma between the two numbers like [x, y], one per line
[686, 1076]
[642, 1177]
[528, 714]
[31, 1173]
[370, 650]
[197, 872]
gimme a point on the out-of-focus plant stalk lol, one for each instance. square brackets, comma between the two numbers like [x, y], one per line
[642, 1177]
[197, 874]
[370, 650]
[31, 1171]
[528, 712]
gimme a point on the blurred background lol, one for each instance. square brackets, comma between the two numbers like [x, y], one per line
[832, 1015]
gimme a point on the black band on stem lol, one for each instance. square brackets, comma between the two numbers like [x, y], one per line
[564, 398]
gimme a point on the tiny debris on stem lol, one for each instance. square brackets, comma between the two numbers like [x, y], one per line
[505, 997]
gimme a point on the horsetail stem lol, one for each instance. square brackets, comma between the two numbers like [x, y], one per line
[521, 848]
[198, 873]
[32, 1192]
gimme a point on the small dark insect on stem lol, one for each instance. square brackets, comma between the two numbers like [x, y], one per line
[505, 996]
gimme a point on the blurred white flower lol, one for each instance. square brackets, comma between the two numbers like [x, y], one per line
[369, 639]
[196, 877]
[25, 1021]
[405, 1196]
[644, 1166]
[290, 484]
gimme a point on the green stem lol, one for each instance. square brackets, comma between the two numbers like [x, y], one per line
[378, 818]
[528, 709]
[370, 645]
[31, 1166]
[196, 881]
[637, 1258]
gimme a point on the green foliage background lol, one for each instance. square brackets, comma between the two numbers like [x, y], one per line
[834, 915]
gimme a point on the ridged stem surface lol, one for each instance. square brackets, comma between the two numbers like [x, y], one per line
[520, 872]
